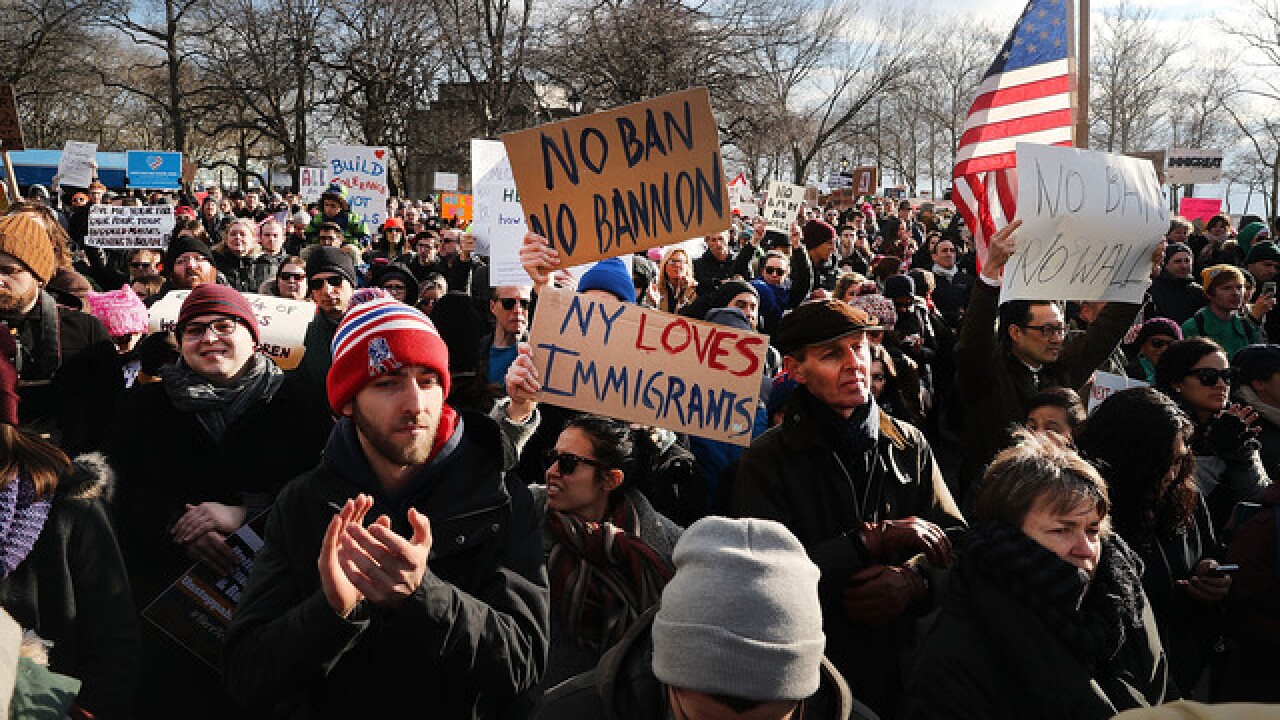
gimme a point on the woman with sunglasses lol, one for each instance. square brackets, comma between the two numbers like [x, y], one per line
[1140, 440]
[290, 281]
[608, 550]
[1195, 373]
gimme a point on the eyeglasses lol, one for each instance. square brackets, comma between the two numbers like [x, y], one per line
[1049, 331]
[292, 276]
[1209, 377]
[192, 260]
[222, 327]
[141, 265]
[775, 271]
[394, 286]
[510, 304]
[318, 282]
[568, 462]
[877, 377]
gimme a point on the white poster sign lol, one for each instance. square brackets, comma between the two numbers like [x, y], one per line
[148, 226]
[1090, 222]
[282, 323]
[741, 199]
[1188, 167]
[312, 181]
[75, 168]
[362, 171]
[497, 219]
[448, 182]
[1105, 384]
[781, 206]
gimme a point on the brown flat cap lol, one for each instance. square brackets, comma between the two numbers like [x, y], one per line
[820, 321]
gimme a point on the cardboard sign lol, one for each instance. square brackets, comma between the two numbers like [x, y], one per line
[781, 205]
[1193, 208]
[1105, 384]
[864, 180]
[1090, 222]
[497, 220]
[363, 172]
[312, 181]
[447, 182]
[148, 226]
[76, 166]
[1188, 167]
[196, 610]
[456, 205]
[282, 323]
[633, 363]
[10, 125]
[151, 170]
[628, 179]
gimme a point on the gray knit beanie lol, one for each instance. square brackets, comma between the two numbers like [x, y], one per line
[741, 616]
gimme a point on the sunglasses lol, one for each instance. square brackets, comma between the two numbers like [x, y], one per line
[141, 265]
[1160, 343]
[293, 276]
[316, 283]
[1209, 377]
[568, 462]
[774, 271]
[877, 377]
[510, 304]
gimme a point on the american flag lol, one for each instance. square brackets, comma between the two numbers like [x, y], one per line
[1024, 97]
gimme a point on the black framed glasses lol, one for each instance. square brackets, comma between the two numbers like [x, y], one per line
[222, 327]
[1049, 331]
[316, 283]
[568, 461]
[1209, 377]
[510, 303]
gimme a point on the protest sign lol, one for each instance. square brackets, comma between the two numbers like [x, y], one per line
[1193, 208]
[448, 182]
[1188, 167]
[10, 124]
[1156, 157]
[456, 205]
[1090, 222]
[628, 179]
[151, 170]
[282, 323]
[864, 180]
[1105, 384]
[196, 610]
[147, 226]
[497, 220]
[781, 205]
[75, 167]
[363, 172]
[741, 198]
[312, 181]
[632, 363]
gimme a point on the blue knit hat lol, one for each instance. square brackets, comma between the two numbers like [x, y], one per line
[611, 276]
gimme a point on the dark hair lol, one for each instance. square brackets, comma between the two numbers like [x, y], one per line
[610, 439]
[924, 281]
[1130, 436]
[1180, 357]
[1017, 312]
[40, 459]
[290, 260]
[1037, 470]
[1061, 397]
[193, 226]
[331, 226]
[1219, 218]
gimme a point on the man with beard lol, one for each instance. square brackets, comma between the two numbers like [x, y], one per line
[442, 599]
[65, 357]
[189, 264]
[331, 279]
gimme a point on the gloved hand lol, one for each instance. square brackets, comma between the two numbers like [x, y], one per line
[1231, 433]
[889, 538]
[879, 594]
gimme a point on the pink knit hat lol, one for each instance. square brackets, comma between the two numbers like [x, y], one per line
[121, 311]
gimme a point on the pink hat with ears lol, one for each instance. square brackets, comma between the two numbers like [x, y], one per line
[121, 311]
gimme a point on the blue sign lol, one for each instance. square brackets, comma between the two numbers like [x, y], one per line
[154, 170]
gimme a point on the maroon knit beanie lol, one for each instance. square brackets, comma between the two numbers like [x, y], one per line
[817, 233]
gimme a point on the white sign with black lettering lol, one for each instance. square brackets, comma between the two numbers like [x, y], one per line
[1189, 167]
[148, 226]
[781, 206]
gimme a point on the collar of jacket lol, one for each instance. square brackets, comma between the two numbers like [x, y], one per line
[801, 431]
[346, 456]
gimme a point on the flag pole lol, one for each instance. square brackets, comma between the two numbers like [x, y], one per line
[1082, 77]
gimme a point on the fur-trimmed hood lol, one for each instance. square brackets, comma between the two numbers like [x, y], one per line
[91, 478]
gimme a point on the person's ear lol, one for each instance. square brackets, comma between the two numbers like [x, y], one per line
[348, 409]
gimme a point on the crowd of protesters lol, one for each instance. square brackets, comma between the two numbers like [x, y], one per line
[926, 523]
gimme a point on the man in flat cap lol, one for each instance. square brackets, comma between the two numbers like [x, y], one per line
[860, 490]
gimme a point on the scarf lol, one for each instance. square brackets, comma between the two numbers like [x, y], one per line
[1090, 618]
[1269, 412]
[950, 273]
[22, 516]
[603, 576]
[852, 436]
[215, 407]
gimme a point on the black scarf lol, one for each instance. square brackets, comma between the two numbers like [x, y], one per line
[1091, 619]
[218, 407]
[852, 436]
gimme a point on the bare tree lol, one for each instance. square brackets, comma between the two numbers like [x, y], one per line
[1131, 81]
[487, 43]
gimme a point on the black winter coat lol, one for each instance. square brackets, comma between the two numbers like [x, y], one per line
[245, 274]
[470, 639]
[72, 589]
[1175, 298]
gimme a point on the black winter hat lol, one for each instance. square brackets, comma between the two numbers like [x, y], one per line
[182, 245]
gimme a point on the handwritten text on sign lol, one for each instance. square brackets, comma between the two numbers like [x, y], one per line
[781, 206]
[363, 172]
[1090, 222]
[628, 179]
[645, 366]
[148, 226]
[282, 323]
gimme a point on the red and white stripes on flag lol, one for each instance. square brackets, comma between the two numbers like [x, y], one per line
[1029, 104]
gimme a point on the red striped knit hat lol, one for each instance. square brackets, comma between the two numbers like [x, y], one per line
[377, 337]
[211, 299]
